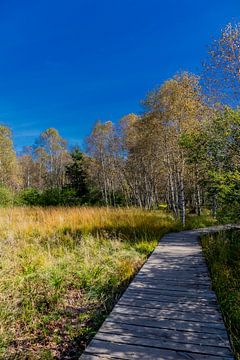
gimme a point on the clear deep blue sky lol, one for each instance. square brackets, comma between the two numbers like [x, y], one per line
[65, 64]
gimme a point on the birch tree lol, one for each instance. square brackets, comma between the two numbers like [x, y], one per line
[51, 155]
[143, 166]
[221, 73]
[9, 170]
[28, 168]
[179, 106]
[102, 148]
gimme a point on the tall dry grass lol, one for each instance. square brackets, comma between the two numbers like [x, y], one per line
[61, 268]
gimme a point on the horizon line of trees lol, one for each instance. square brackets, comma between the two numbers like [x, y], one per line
[183, 150]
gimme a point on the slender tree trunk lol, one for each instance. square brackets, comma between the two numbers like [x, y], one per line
[214, 206]
[181, 195]
[198, 200]
[182, 206]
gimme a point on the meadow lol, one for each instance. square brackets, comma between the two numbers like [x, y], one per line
[222, 252]
[62, 269]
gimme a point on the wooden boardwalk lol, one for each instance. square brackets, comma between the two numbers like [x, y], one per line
[168, 311]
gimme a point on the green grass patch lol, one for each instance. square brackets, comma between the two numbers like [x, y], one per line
[222, 252]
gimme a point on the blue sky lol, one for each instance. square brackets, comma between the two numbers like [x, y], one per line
[65, 64]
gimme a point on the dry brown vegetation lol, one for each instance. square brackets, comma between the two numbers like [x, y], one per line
[61, 271]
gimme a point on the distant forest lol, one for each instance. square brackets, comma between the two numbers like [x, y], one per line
[182, 152]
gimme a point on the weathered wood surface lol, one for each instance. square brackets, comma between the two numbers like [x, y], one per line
[168, 311]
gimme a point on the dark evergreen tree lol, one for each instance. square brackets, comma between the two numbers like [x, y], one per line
[76, 174]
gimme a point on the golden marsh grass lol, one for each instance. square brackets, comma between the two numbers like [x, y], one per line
[62, 267]
[61, 270]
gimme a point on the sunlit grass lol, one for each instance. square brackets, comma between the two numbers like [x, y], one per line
[222, 252]
[62, 269]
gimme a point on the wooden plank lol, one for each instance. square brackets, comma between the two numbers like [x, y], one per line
[169, 287]
[168, 298]
[167, 314]
[126, 351]
[166, 334]
[170, 281]
[172, 285]
[173, 274]
[172, 290]
[171, 294]
[96, 357]
[164, 344]
[192, 307]
[174, 277]
[208, 328]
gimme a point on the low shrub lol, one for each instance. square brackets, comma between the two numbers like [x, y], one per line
[6, 197]
[30, 196]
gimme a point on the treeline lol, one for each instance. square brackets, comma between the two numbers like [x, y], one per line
[182, 151]
[46, 173]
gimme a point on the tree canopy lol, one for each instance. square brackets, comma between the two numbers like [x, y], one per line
[182, 151]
